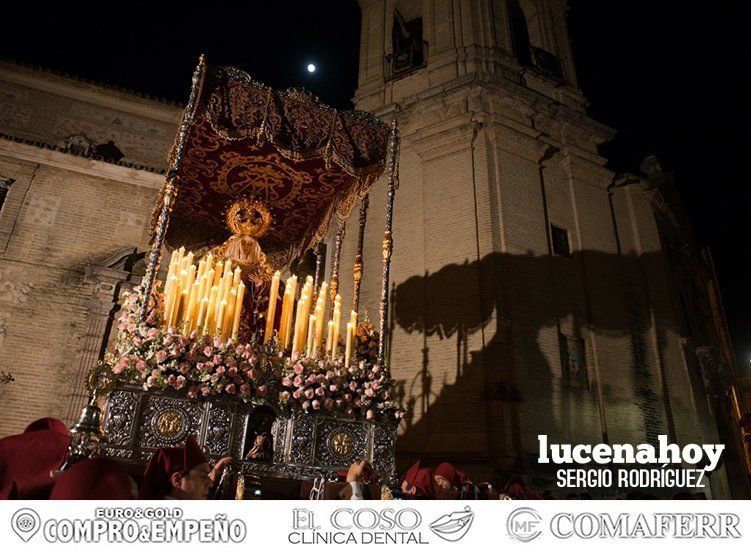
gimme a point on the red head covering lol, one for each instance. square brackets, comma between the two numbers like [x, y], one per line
[47, 424]
[455, 477]
[422, 478]
[517, 489]
[165, 462]
[26, 459]
[93, 479]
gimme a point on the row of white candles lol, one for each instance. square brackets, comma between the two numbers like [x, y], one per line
[303, 326]
[207, 298]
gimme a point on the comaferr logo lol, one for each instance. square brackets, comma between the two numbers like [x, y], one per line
[523, 524]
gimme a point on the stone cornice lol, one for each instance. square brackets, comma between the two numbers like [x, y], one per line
[95, 94]
[81, 165]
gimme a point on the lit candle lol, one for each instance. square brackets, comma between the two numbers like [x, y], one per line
[348, 348]
[192, 301]
[220, 316]
[202, 315]
[271, 312]
[311, 336]
[285, 311]
[210, 311]
[329, 337]
[229, 316]
[238, 309]
[290, 313]
[299, 321]
[337, 324]
[182, 304]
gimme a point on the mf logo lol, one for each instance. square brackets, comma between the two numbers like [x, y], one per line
[523, 524]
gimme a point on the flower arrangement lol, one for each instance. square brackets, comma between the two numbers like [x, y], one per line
[203, 365]
[366, 341]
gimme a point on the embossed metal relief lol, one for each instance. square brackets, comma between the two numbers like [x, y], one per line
[341, 444]
[120, 417]
[166, 421]
[338, 442]
[218, 431]
[301, 443]
[383, 459]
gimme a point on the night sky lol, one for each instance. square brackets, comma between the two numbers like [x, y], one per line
[667, 75]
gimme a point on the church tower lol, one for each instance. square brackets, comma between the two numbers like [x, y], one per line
[529, 291]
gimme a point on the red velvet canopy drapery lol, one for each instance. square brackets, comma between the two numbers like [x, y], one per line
[304, 160]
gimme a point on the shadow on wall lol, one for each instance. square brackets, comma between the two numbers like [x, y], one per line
[504, 301]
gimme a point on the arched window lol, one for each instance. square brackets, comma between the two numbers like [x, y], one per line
[407, 44]
[519, 33]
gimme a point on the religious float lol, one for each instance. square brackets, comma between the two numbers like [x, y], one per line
[225, 343]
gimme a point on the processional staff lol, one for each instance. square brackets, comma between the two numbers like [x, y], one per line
[169, 192]
[388, 245]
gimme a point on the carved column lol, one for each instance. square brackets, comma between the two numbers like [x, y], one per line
[108, 279]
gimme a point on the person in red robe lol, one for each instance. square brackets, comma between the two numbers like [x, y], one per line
[95, 479]
[448, 477]
[27, 459]
[181, 473]
[419, 482]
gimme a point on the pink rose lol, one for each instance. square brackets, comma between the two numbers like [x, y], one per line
[353, 385]
[262, 390]
[230, 389]
[284, 395]
[299, 368]
[117, 368]
[205, 390]
[333, 388]
[180, 382]
[245, 389]
[298, 381]
[171, 379]
[232, 371]
[320, 391]
[316, 404]
[161, 355]
[369, 414]
[369, 392]
[348, 397]
[339, 403]
[192, 394]
[218, 359]
[208, 351]
[296, 394]
[309, 393]
[252, 374]
[151, 333]
[217, 342]
[286, 382]
[328, 403]
[185, 368]
[311, 378]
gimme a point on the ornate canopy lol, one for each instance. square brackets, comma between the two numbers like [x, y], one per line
[304, 160]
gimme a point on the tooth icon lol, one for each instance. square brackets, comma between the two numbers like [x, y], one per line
[25, 522]
[454, 526]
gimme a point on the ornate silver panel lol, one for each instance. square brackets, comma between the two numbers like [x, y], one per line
[166, 421]
[339, 443]
[218, 440]
[301, 442]
[304, 445]
[120, 418]
[384, 436]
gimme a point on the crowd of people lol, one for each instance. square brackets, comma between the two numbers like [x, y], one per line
[35, 464]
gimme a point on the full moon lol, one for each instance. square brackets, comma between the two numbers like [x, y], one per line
[311, 68]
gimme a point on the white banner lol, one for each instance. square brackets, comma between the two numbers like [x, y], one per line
[319, 524]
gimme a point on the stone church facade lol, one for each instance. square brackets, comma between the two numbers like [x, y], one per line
[531, 290]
